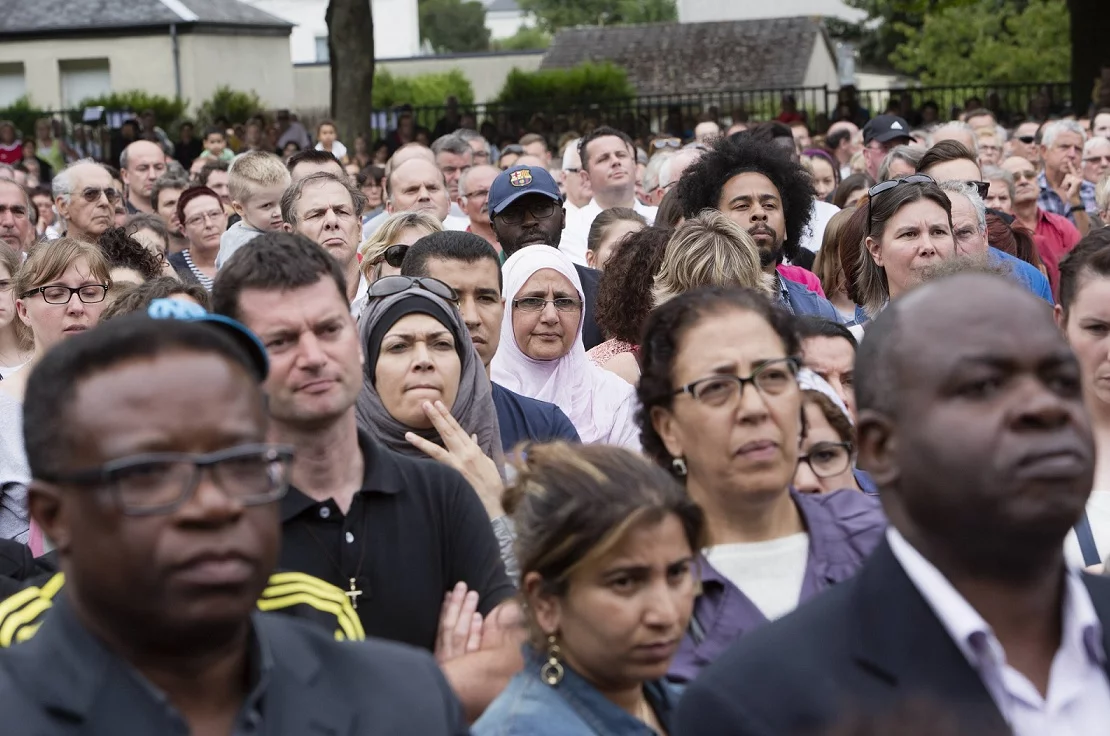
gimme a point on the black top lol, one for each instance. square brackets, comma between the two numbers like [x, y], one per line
[301, 681]
[414, 530]
[591, 279]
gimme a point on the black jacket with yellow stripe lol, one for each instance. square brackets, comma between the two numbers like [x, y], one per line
[291, 593]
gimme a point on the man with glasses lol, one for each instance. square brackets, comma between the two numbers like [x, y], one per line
[474, 186]
[163, 506]
[578, 189]
[17, 228]
[1096, 159]
[86, 199]
[1053, 234]
[141, 163]
[396, 532]
[1024, 141]
[524, 206]
[880, 136]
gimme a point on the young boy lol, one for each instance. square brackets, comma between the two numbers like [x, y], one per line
[256, 181]
[215, 145]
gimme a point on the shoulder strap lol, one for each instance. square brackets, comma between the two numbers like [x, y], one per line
[1087, 541]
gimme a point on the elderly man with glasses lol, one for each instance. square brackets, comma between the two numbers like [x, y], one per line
[86, 199]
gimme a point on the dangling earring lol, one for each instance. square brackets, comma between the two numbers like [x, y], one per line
[678, 465]
[552, 671]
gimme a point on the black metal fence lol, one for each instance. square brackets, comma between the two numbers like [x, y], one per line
[646, 115]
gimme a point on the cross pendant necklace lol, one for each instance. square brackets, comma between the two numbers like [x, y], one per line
[353, 594]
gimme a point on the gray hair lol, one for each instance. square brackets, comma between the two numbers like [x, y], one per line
[466, 175]
[972, 194]
[469, 135]
[1092, 142]
[960, 126]
[997, 173]
[1102, 192]
[62, 184]
[164, 182]
[452, 143]
[653, 172]
[666, 174]
[293, 195]
[911, 155]
[1051, 130]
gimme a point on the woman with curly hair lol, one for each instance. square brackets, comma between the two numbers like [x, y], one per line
[130, 261]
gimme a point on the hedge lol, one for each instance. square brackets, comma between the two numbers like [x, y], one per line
[566, 88]
[421, 90]
[166, 110]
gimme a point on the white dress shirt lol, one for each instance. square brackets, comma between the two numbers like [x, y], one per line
[1078, 695]
[577, 230]
[362, 296]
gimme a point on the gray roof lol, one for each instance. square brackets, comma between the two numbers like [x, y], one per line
[677, 58]
[46, 17]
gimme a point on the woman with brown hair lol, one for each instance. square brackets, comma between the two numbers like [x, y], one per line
[841, 237]
[15, 336]
[606, 543]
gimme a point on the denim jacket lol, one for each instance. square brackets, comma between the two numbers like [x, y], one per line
[843, 527]
[531, 707]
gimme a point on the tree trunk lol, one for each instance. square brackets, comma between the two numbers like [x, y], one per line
[1090, 54]
[351, 50]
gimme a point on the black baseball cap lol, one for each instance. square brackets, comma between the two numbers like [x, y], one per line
[885, 128]
[512, 184]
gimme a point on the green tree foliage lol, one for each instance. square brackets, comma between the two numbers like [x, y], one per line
[526, 39]
[454, 26]
[566, 88]
[420, 90]
[555, 14]
[235, 106]
[23, 113]
[167, 111]
[967, 44]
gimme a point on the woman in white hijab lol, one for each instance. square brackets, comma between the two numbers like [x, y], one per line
[541, 354]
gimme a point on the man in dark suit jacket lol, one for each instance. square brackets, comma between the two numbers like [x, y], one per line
[525, 208]
[971, 421]
[163, 509]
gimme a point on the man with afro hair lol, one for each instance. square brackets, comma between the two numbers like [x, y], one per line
[760, 188]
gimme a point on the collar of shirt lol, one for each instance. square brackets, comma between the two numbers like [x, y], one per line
[1081, 635]
[378, 476]
[361, 297]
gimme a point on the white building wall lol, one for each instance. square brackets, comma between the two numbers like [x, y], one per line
[503, 24]
[396, 26]
[700, 11]
[247, 63]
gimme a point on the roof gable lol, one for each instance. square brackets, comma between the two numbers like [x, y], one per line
[676, 58]
[44, 17]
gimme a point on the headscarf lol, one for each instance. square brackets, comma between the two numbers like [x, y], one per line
[600, 404]
[473, 408]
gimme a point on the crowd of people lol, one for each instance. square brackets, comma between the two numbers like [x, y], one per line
[753, 432]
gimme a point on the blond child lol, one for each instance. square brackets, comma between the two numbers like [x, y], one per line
[256, 181]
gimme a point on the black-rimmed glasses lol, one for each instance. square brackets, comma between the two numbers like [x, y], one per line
[58, 294]
[390, 285]
[885, 186]
[771, 378]
[160, 482]
[541, 209]
[827, 459]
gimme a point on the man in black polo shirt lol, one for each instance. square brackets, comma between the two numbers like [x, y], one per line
[396, 533]
[163, 508]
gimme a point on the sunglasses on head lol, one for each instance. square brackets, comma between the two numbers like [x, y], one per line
[394, 255]
[885, 186]
[390, 285]
[666, 143]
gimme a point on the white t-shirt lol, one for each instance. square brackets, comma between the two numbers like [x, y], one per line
[577, 231]
[1098, 513]
[769, 573]
[815, 233]
[337, 149]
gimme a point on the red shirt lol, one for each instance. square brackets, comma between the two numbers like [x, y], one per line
[806, 278]
[1055, 236]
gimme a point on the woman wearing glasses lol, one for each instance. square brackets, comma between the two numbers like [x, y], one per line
[425, 390]
[909, 228]
[722, 410]
[828, 445]
[384, 251]
[541, 355]
[203, 220]
[59, 292]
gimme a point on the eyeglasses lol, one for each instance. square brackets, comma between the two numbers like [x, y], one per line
[390, 285]
[886, 186]
[58, 294]
[1027, 175]
[1098, 159]
[394, 255]
[204, 217]
[1027, 139]
[160, 482]
[827, 459]
[536, 304]
[540, 209]
[480, 194]
[982, 187]
[92, 194]
[772, 378]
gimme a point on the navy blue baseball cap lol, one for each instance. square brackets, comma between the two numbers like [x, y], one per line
[240, 333]
[512, 184]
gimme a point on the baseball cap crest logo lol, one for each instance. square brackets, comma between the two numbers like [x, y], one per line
[521, 178]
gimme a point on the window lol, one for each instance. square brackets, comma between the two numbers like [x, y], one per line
[13, 83]
[322, 54]
[82, 79]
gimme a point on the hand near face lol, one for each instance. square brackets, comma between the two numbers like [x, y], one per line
[460, 624]
[1069, 187]
[461, 452]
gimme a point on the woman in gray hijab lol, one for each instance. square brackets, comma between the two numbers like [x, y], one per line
[424, 390]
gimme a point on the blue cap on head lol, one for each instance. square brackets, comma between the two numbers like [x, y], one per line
[512, 184]
[190, 312]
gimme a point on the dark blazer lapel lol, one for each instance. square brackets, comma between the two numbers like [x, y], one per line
[898, 639]
[296, 701]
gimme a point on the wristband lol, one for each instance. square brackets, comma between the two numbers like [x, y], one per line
[1077, 208]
